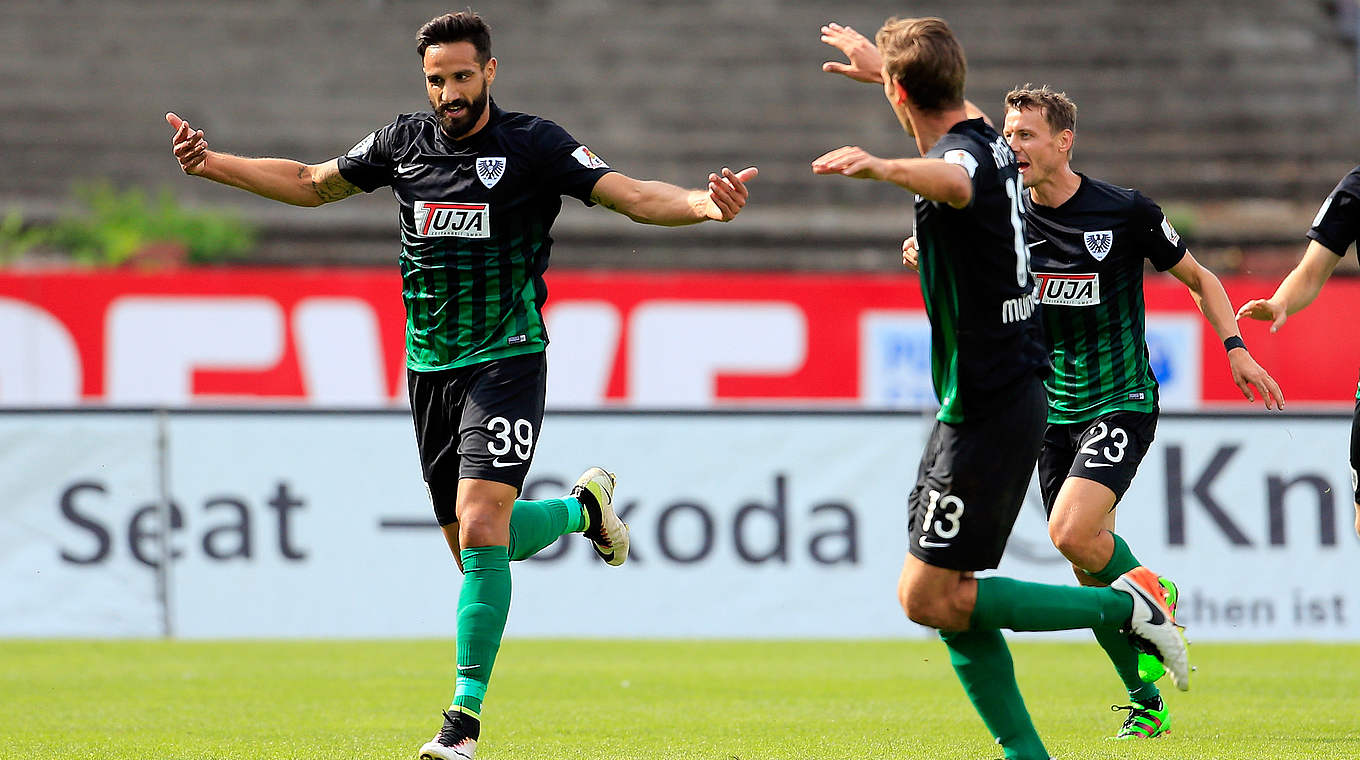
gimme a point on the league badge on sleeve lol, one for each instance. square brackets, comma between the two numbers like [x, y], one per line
[1098, 243]
[587, 159]
[1172, 236]
[490, 170]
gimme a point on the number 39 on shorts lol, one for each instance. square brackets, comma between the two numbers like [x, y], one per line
[502, 430]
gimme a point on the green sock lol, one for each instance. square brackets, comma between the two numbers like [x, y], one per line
[1022, 606]
[1121, 561]
[483, 604]
[1116, 645]
[983, 664]
[534, 525]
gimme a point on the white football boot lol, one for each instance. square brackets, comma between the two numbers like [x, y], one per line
[457, 740]
[608, 534]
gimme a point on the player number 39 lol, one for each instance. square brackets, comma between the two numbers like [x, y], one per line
[523, 441]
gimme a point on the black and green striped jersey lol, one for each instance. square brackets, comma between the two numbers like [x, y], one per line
[979, 294]
[1337, 224]
[475, 216]
[1087, 255]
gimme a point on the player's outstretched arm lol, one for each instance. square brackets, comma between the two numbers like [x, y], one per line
[866, 64]
[1213, 302]
[664, 204]
[931, 178]
[279, 179]
[1297, 290]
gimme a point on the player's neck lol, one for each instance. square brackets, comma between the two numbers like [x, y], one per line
[1058, 190]
[930, 126]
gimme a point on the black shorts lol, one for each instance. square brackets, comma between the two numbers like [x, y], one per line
[480, 421]
[972, 483]
[1107, 449]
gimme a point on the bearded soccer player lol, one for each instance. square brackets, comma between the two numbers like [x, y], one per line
[988, 362]
[1087, 242]
[1334, 229]
[478, 189]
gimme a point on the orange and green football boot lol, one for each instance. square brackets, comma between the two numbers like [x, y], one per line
[1150, 668]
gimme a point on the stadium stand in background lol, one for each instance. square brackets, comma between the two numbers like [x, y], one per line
[1237, 115]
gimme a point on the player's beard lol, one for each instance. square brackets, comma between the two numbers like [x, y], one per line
[458, 127]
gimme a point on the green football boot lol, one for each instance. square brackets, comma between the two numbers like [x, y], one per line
[1146, 720]
[1150, 668]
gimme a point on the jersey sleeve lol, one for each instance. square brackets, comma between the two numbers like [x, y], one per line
[368, 165]
[1163, 246]
[1337, 223]
[955, 149]
[567, 166]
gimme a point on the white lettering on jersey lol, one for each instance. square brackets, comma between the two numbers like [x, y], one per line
[465, 220]
[1098, 243]
[1018, 309]
[1068, 289]
[962, 158]
[1001, 153]
[1322, 211]
[587, 159]
[1172, 236]
[490, 170]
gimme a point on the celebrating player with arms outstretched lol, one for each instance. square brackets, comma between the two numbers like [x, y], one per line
[988, 362]
[1087, 242]
[1335, 228]
[478, 189]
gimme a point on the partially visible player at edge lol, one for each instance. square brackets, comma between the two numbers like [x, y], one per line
[478, 189]
[1087, 241]
[1334, 229]
[988, 362]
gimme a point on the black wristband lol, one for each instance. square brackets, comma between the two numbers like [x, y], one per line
[1233, 341]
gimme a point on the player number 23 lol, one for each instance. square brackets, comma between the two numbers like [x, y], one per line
[951, 509]
[523, 441]
[1117, 436]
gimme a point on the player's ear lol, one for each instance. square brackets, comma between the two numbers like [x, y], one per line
[1065, 140]
[900, 92]
[490, 69]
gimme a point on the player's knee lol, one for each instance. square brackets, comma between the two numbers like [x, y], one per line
[932, 610]
[480, 528]
[1068, 541]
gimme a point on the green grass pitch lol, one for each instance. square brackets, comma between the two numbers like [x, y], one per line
[561, 700]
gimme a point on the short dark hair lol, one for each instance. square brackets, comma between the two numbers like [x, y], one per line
[926, 58]
[1058, 109]
[463, 26]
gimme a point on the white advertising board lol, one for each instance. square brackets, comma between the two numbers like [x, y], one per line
[758, 525]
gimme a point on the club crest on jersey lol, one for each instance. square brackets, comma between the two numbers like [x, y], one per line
[1098, 243]
[1067, 289]
[587, 159]
[464, 220]
[490, 170]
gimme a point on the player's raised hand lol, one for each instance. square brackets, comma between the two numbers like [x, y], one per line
[911, 255]
[727, 193]
[852, 161]
[190, 148]
[866, 65]
[1265, 310]
[1247, 373]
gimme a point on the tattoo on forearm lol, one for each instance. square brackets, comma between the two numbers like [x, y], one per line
[329, 185]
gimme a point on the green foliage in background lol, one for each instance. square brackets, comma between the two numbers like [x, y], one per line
[16, 239]
[114, 225]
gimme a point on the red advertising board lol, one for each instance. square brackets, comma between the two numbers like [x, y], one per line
[333, 337]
